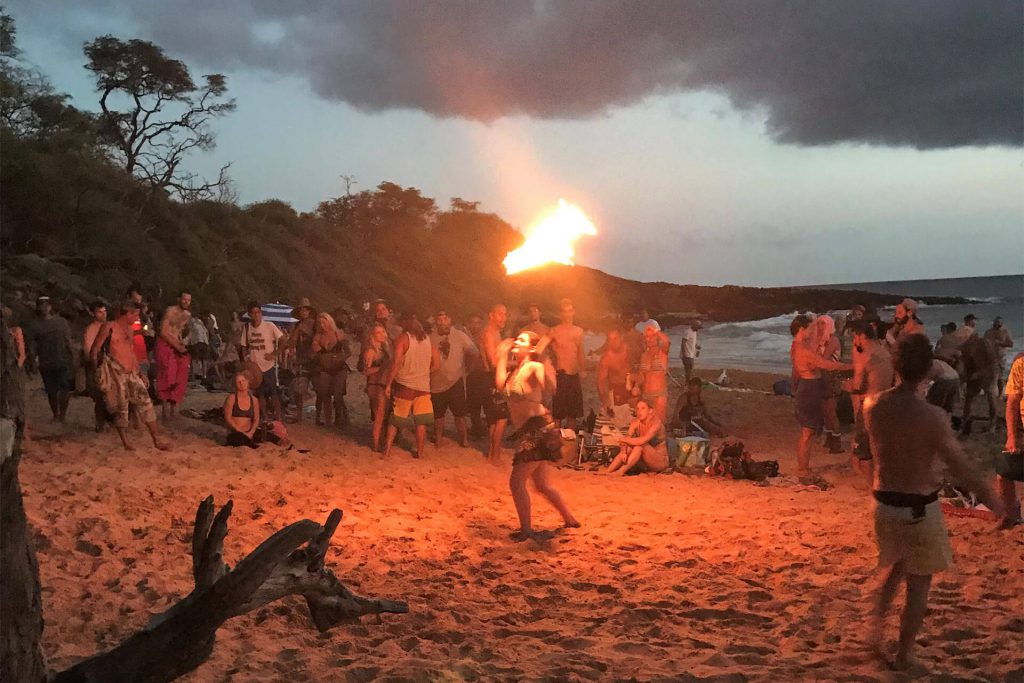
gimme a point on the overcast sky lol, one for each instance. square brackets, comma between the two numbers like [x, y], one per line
[759, 143]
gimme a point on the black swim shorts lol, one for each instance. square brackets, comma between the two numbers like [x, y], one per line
[568, 401]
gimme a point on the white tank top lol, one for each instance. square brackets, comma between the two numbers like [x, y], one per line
[414, 372]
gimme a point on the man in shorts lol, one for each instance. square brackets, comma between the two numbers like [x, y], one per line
[49, 341]
[172, 359]
[872, 374]
[260, 340]
[496, 408]
[479, 380]
[1010, 464]
[613, 372]
[457, 354]
[567, 345]
[910, 441]
[534, 324]
[124, 387]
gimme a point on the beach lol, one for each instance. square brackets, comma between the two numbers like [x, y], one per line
[671, 577]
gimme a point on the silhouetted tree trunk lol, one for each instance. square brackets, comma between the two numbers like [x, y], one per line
[182, 638]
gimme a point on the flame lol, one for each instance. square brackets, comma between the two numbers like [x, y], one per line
[551, 239]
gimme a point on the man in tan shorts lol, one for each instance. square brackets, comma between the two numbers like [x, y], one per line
[124, 387]
[910, 441]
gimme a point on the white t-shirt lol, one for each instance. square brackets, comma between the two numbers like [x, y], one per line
[258, 341]
[644, 324]
[688, 348]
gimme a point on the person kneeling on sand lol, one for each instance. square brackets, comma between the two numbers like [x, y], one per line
[123, 386]
[644, 450]
[910, 439]
[538, 440]
[242, 416]
[692, 413]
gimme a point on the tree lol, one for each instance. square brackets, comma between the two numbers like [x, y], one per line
[29, 107]
[165, 115]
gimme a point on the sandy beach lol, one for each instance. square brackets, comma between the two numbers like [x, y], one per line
[672, 577]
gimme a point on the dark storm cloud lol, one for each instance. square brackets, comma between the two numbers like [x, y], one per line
[921, 73]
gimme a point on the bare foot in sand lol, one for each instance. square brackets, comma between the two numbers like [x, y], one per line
[572, 524]
[909, 665]
[162, 446]
[521, 535]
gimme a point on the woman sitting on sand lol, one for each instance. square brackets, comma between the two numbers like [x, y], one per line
[376, 357]
[538, 438]
[242, 416]
[331, 351]
[653, 384]
[644, 449]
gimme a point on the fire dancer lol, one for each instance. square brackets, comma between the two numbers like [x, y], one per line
[538, 438]
[910, 440]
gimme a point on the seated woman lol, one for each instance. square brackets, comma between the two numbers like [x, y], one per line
[645, 446]
[242, 416]
[692, 414]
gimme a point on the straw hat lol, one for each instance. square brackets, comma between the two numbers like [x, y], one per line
[303, 303]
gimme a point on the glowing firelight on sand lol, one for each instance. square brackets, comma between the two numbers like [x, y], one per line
[551, 239]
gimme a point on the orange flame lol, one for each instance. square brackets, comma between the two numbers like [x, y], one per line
[551, 239]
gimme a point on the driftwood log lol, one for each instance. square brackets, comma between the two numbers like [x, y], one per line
[290, 562]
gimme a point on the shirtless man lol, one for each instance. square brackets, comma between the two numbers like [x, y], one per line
[810, 390]
[99, 319]
[872, 374]
[128, 389]
[613, 372]
[496, 409]
[910, 441]
[905, 323]
[534, 324]
[478, 380]
[566, 340]
[172, 359]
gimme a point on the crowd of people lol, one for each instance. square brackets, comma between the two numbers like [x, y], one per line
[904, 391]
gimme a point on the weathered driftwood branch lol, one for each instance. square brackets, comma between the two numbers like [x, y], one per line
[181, 638]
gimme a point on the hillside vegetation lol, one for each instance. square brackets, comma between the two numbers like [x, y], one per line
[79, 220]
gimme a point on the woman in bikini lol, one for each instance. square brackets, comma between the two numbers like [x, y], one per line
[645, 447]
[376, 357]
[242, 416]
[653, 384]
[538, 438]
[330, 348]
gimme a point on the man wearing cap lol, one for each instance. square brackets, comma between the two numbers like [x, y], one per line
[905, 323]
[299, 347]
[49, 341]
[448, 382]
[1001, 340]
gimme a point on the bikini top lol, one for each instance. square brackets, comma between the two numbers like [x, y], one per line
[238, 412]
[647, 365]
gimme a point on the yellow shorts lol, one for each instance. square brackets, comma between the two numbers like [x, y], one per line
[921, 544]
[409, 412]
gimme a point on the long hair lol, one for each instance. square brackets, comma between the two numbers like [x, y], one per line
[412, 325]
[331, 325]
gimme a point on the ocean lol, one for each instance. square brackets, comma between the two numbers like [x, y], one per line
[763, 345]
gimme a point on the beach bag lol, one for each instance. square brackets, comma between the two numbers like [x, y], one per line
[333, 361]
[727, 460]
[692, 449]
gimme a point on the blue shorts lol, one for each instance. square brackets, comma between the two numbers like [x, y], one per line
[810, 403]
[56, 379]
